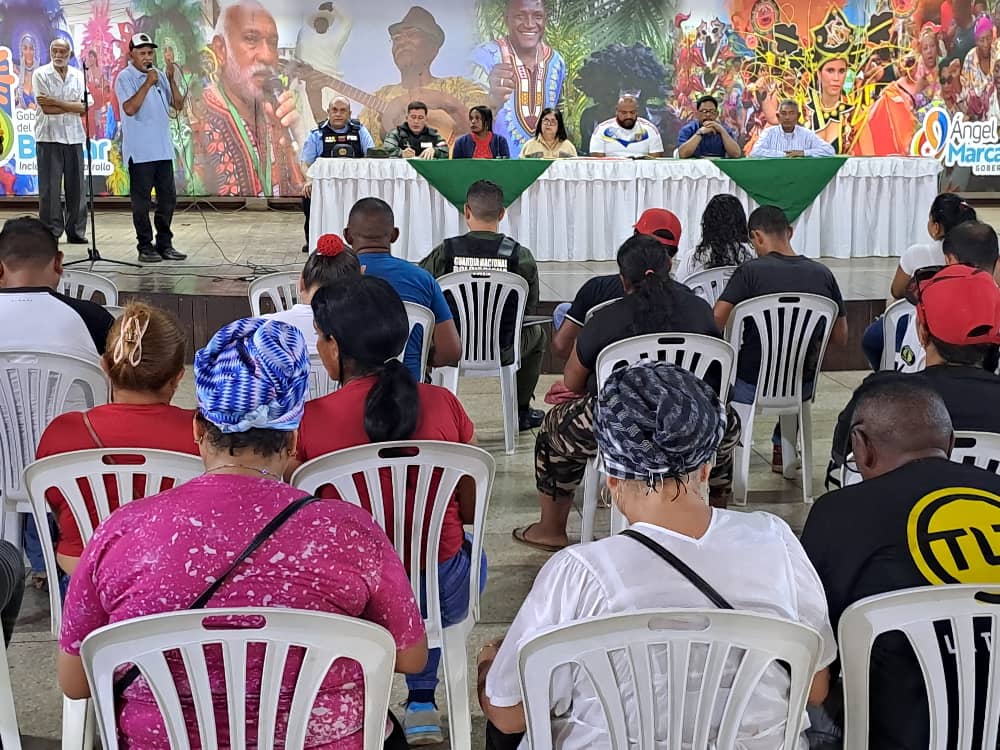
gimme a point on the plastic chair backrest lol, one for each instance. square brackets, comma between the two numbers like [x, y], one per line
[891, 318]
[33, 391]
[323, 637]
[480, 298]
[159, 470]
[710, 283]
[980, 449]
[595, 308]
[320, 382]
[419, 460]
[691, 351]
[738, 646]
[418, 315]
[954, 632]
[785, 326]
[281, 288]
[83, 285]
[114, 310]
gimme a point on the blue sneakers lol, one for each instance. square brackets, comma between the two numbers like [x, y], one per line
[422, 724]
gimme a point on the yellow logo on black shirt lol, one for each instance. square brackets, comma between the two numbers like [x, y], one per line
[954, 536]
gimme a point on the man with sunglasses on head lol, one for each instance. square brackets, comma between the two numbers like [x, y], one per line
[917, 518]
[706, 136]
[971, 243]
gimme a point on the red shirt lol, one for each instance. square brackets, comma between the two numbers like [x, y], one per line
[158, 426]
[483, 150]
[441, 418]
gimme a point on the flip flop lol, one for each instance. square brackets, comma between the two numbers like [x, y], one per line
[519, 536]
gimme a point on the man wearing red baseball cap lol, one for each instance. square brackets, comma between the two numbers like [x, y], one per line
[663, 225]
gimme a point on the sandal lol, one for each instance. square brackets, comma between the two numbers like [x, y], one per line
[519, 536]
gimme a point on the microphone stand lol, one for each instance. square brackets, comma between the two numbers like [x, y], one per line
[93, 254]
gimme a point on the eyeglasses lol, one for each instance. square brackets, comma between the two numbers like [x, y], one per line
[708, 111]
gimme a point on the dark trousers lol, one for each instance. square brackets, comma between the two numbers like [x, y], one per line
[11, 587]
[306, 207]
[143, 177]
[60, 166]
[497, 740]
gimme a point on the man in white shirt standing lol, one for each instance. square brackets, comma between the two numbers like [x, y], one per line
[788, 138]
[626, 134]
[59, 138]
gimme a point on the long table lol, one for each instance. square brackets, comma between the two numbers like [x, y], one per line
[582, 209]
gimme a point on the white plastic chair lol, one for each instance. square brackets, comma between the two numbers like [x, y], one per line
[67, 471]
[980, 449]
[281, 288]
[969, 651]
[891, 318]
[480, 298]
[785, 325]
[34, 387]
[83, 285]
[710, 283]
[622, 654]
[425, 457]
[114, 310]
[691, 351]
[325, 638]
[10, 736]
[601, 306]
[320, 382]
[418, 315]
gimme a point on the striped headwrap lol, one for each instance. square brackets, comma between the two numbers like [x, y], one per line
[254, 373]
[657, 421]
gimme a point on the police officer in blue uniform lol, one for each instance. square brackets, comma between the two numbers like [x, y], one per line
[340, 137]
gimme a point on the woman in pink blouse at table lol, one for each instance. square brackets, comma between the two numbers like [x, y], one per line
[158, 554]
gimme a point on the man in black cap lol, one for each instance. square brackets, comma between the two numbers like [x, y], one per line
[415, 43]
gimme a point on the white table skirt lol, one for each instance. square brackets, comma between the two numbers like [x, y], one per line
[582, 209]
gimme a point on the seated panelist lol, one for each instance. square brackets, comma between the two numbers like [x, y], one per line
[415, 139]
[340, 137]
[706, 136]
[788, 139]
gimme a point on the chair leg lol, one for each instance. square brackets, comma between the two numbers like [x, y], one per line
[741, 455]
[789, 441]
[10, 737]
[446, 377]
[455, 670]
[591, 492]
[78, 721]
[805, 436]
[508, 401]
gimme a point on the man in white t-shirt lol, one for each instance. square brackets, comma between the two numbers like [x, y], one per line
[972, 243]
[33, 315]
[626, 134]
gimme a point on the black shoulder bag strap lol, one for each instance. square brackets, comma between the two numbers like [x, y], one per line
[262, 536]
[681, 567]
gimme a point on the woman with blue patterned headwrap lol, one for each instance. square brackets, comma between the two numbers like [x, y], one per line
[158, 554]
[659, 427]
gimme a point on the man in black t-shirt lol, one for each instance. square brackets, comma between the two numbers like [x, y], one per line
[659, 223]
[957, 320]
[916, 519]
[776, 269]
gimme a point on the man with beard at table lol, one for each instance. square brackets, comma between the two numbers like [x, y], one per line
[245, 132]
[626, 135]
[416, 41]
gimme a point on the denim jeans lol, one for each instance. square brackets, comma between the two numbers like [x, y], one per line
[743, 392]
[559, 314]
[33, 544]
[453, 582]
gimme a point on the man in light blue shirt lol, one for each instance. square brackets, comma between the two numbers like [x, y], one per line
[146, 95]
[339, 137]
[788, 138]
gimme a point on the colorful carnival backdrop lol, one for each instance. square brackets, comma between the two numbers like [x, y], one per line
[874, 77]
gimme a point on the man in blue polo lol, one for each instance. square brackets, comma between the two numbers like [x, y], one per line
[706, 136]
[340, 137]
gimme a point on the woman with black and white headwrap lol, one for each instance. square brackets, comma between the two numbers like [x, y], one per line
[659, 427]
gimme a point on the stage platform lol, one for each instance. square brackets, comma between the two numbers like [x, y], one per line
[226, 249]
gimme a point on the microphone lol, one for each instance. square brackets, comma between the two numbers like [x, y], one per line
[149, 66]
[274, 88]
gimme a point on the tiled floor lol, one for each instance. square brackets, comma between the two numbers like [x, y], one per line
[258, 238]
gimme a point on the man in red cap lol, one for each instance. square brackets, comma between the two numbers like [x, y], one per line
[569, 317]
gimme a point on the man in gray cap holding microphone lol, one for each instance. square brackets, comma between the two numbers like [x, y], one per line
[146, 96]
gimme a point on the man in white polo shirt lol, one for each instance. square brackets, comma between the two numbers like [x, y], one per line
[146, 96]
[626, 134]
[59, 138]
[32, 314]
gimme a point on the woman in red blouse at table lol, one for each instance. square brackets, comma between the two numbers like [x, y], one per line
[481, 142]
[362, 327]
[144, 360]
